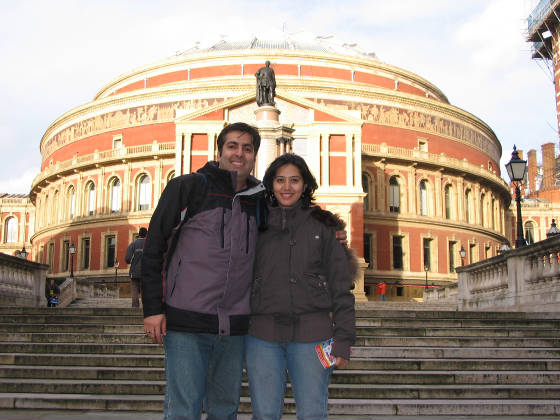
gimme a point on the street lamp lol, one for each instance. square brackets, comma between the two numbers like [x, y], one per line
[23, 253]
[426, 269]
[72, 251]
[462, 253]
[516, 169]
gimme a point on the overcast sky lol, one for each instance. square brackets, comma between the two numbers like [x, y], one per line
[57, 54]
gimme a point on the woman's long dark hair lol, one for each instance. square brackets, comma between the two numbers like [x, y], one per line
[307, 197]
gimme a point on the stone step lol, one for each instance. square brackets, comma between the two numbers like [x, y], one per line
[71, 319]
[72, 348]
[436, 377]
[382, 407]
[455, 323]
[101, 303]
[457, 332]
[73, 328]
[348, 391]
[108, 328]
[457, 341]
[360, 313]
[439, 341]
[406, 352]
[130, 360]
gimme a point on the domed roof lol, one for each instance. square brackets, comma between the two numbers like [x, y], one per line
[302, 41]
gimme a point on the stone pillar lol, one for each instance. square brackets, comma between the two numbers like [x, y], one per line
[267, 119]
[325, 180]
[359, 291]
[178, 153]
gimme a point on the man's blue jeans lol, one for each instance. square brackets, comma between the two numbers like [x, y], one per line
[202, 370]
[267, 362]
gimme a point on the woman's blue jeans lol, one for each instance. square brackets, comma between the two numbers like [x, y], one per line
[202, 370]
[267, 363]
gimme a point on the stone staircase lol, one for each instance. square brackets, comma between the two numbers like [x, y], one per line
[405, 363]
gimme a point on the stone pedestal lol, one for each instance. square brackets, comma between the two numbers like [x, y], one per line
[275, 138]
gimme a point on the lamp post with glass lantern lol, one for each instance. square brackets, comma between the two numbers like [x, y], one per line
[23, 253]
[72, 251]
[462, 253]
[516, 169]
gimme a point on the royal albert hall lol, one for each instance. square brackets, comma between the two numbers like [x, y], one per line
[416, 179]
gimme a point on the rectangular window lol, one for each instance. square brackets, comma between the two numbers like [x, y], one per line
[50, 257]
[488, 252]
[65, 255]
[85, 253]
[367, 249]
[452, 256]
[427, 254]
[110, 245]
[397, 253]
[472, 253]
[423, 145]
[400, 290]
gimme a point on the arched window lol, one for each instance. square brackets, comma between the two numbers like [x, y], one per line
[365, 187]
[493, 213]
[115, 204]
[394, 195]
[10, 230]
[468, 204]
[423, 198]
[144, 192]
[483, 210]
[71, 202]
[448, 193]
[90, 197]
[530, 233]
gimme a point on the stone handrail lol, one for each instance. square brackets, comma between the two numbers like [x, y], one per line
[98, 157]
[433, 158]
[22, 282]
[524, 279]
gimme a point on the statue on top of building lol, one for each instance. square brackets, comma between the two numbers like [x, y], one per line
[266, 85]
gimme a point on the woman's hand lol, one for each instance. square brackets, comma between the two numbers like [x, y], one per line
[341, 362]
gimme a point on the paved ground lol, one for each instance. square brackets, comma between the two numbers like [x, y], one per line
[23, 414]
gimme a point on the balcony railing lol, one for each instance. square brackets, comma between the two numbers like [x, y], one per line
[524, 279]
[131, 152]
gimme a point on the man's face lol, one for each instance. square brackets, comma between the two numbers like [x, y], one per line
[238, 154]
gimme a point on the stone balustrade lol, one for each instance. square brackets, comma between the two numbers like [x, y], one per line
[525, 279]
[22, 282]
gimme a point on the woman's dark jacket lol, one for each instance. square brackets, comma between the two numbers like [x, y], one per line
[301, 289]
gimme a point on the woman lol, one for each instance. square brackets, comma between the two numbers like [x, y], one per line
[300, 298]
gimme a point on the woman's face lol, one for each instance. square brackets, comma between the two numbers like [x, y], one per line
[288, 185]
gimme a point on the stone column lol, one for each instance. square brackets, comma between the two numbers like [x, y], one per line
[267, 119]
[359, 291]
[325, 179]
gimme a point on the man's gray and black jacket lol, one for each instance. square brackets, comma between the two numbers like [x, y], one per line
[197, 264]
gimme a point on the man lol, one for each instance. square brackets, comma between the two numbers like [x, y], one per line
[134, 257]
[202, 238]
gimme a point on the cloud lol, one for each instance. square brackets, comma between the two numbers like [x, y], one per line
[20, 184]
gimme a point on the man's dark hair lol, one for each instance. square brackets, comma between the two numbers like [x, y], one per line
[142, 232]
[244, 128]
[307, 197]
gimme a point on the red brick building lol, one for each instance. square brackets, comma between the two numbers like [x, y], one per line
[415, 177]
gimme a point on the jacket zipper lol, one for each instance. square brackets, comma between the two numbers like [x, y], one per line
[247, 236]
[222, 227]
